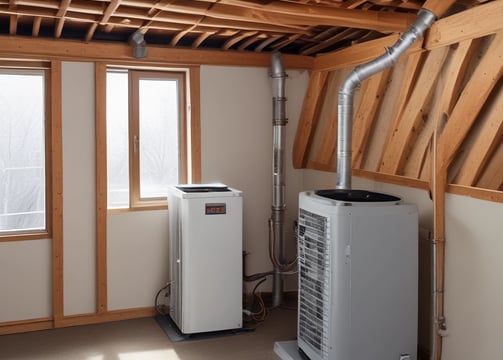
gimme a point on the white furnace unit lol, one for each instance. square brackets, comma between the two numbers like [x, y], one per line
[358, 276]
[205, 228]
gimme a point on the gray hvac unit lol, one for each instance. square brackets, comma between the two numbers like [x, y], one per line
[358, 271]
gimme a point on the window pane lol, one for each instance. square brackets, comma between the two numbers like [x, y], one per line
[159, 118]
[22, 151]
[117, 140]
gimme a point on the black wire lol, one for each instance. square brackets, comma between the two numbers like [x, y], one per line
[157, 298]
[257, 285]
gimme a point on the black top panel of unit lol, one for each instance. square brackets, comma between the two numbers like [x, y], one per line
[203, 188]
[355, 195]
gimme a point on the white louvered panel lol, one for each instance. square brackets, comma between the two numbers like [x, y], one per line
[314, 289]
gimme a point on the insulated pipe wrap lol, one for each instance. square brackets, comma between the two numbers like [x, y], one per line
[346, 93]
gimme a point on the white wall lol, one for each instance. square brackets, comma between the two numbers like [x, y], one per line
[473, 285]
[236, 123]
[137, 258]
[25, 280]
[79, 188]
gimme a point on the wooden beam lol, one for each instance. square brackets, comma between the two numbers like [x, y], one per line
[405, 133]
[112, 6]
[201, 39]
[487, 140]
[63, 7]
[400, 96]
[492, 178]
[57, 192]
[372, 92]
[308, 117]
[96, 51]
[237, 38]
[312, 15]
[471, 100]
[13, 25]
[449, 85]
[266, 42]
[481, 193]
[476, 22]
[90, 32]
[36, 26]
[251, 40]
[195, 124]
[347, 33]
[360, 53]
[290, 39]
[437, 7]
[101, 187]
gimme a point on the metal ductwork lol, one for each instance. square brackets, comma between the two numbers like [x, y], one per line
[346, 93]
[277, 220]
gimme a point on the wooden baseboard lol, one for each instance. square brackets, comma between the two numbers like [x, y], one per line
[109, 316]
[14, 327]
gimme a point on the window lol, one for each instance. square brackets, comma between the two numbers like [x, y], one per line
[146, 132]
[23, 168]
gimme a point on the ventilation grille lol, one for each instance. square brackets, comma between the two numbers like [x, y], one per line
[314, 287]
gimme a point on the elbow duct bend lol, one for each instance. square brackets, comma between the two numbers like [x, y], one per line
[346, 93]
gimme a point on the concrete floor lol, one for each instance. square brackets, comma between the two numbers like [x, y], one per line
[141, 339]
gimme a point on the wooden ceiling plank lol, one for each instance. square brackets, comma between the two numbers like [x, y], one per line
[63, 7]
[267, 42]
[200, 39]
[112, 6]
[470, 24]
[449, 83]
[294, 14]
[60, 23]
[366, 112]
[179, 37]
[251, 40]
[13, 25]
[190, 19]
[399, 95]
[308, 117]
[351, 4]
[360, 53]
[396, 151]
[458, 66]
[485, 143]
[333, 40]
[492, 178]
[36, 26]
[237, 38]
[410, 5]
[290, 39]
[471, 100]
[90, 32]
[437, 7]
[282, 12]
[46, 13]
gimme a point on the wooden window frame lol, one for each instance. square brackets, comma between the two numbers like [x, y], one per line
[189, 143]
[44, 67]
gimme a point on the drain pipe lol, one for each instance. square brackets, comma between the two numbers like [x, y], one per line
[276, 222]
[346, 93]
